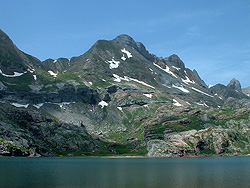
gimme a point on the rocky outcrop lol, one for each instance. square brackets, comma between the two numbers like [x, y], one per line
[205, 132]
[210, 141]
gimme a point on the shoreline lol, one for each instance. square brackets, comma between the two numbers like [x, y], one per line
[131, 157]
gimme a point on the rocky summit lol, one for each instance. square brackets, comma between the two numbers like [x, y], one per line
[116, 99]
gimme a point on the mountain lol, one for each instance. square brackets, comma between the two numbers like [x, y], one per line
[246, 91]
[233, 89]
[115, 99]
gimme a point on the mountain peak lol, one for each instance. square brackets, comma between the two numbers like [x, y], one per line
[4, 39]
[124, 37]
[125, 40]
[235, 85]
[175, 60]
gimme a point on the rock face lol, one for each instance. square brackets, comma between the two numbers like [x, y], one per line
[60, 64]
[36, 134]
[70, 95]
[116, 98]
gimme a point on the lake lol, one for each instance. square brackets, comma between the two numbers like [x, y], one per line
[136, 172]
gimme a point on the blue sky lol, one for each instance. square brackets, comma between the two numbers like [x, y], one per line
[212, 37]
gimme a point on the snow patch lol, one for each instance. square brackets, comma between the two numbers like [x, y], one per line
[63, 103]
[176, 68]
[202, 104]
[31, 70]
[169, 87]
[16, 74]
[167, 70]
[20, 105]
[187, 81]
[181, 88]
[123, 58]
[210, 86]
[218, 96]
[38, 105]
[128, 79]
[88, 84]
[127, 52]
[52, 73]
[113, 64]
[103, 104]
[202, 92]
[120, 108]
[117, 78]
[148, 95]
[54, 61]
[176, 103]
[141, 82]
[35, 77]
[59, 104]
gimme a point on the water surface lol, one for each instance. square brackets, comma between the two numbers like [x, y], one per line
[102, 172]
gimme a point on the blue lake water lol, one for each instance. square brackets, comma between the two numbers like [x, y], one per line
[102, 172]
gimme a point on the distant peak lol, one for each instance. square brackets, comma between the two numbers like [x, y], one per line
[235, 85]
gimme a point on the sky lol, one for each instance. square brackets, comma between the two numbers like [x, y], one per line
[212, 36]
